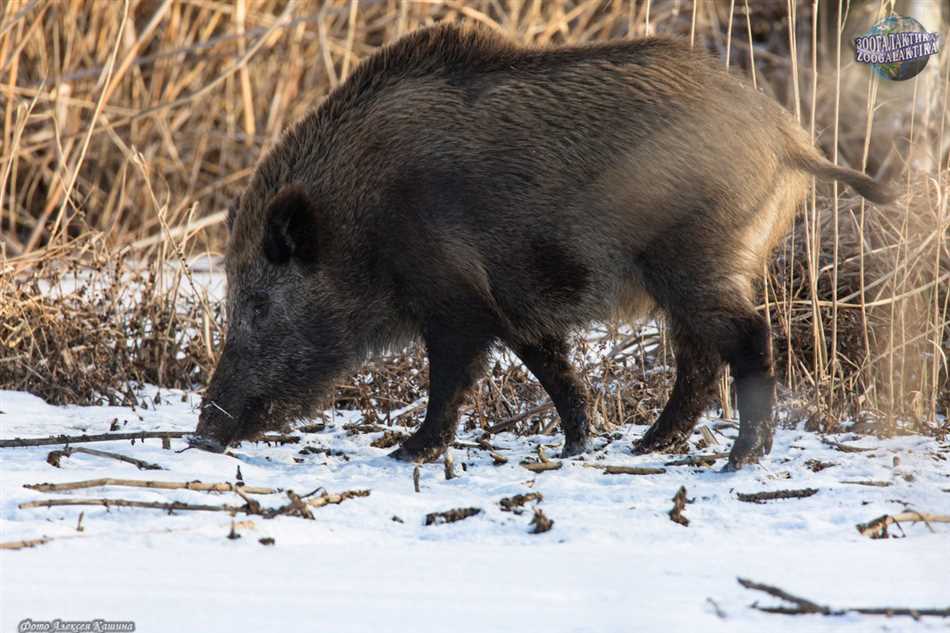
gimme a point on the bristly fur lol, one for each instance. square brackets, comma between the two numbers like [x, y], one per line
[468, 191]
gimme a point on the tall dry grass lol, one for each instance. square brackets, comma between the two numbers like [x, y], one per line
[128, 126]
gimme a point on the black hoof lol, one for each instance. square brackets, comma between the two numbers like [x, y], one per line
[574, 447]
[417, 455]
[748, 450]
[654, 441]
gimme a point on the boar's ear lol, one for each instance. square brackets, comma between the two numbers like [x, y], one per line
[290, 226]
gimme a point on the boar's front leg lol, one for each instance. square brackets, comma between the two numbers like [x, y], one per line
[455, 359]
[549, 364]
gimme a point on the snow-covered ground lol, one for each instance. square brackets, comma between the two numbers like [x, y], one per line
[613, 561]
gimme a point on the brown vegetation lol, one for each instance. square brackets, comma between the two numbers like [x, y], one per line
[127, 128]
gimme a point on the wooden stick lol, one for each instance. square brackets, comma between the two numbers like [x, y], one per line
[128, 503]
[101, 437]
[540, 467]
[877, 528]
[54, 457]
[626, 470]
[138, 435]
[698, 460]
[25, 543]
[679, 504]
[297, 507]
[805, 607]
[336, 499]
[142, 483]
[510, 422]
[844, 448]
[540, 523]
[451, 516]
[772, 495]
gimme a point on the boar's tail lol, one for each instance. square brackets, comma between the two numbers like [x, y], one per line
[814, 163]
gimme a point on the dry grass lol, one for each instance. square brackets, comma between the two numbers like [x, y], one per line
[127, 127]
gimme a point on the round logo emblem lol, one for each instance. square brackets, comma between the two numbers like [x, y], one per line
[897, 48]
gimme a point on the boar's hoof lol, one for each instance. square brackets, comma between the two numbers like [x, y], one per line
[417, 455]
[657, 441]
[574, 447]
[748, 450]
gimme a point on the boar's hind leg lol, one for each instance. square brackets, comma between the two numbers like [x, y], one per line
[741, 337]
[550, 365]
[455, 358]
[697, 368]
[747, 352]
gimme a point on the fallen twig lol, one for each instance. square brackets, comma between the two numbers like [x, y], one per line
[877, 528]
[540, 467]
[516, 502]
[101, 437]
[772, 495]
[451, 516]
[510, 422]
[129, 503]
[698, 460]
[54, 457]
[540, 522]
[336, 498]
[844, 448]
[875, 484]
[141, 483]
[388, 439]
[449, 465]
[610, 469]
[24, 543]
[296, 507]
[499, 460]
[138, 435]
[805, 607]
[679, 504]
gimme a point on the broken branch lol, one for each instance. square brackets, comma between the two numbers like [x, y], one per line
[112, 437]
[540, 467]
[626, 470]
[806, 607]
[297, 506]
[505, 425]
[101, 437]
[54, 457]
[698, 460]
[772, 495]
[877, 528]
[141, 483]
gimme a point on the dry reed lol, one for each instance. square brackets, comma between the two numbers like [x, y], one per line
[127, 128]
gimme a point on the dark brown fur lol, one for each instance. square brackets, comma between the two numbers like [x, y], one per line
[466, 191]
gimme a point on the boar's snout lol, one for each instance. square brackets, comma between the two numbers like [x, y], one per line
[216, 429]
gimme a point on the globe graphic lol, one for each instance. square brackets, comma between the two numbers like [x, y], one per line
[899, 71]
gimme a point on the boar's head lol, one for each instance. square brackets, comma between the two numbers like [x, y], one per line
[289, 328]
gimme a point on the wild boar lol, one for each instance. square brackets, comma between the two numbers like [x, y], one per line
[465, 191]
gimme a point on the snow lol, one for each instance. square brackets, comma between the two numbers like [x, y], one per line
[614, 561]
